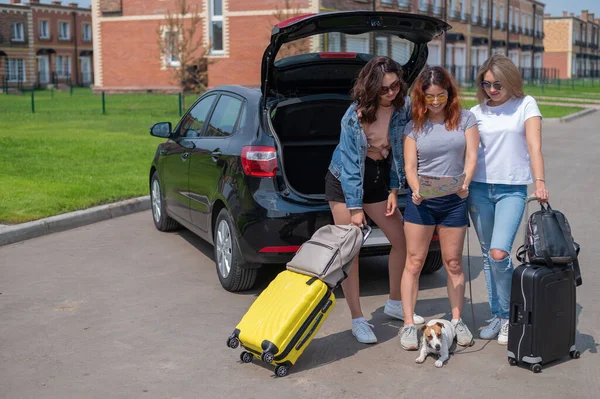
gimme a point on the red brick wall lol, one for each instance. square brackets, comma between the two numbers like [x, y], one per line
[265, 4]
[559, 61]
[246, 51]
[8, 15]
[135, 61]
[153, 7]
[53, 19]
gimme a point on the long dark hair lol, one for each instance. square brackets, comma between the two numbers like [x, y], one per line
[437, 76]
[368, 85]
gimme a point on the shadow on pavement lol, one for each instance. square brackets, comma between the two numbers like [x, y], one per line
[341, 345]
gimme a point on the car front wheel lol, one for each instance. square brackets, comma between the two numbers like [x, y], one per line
[162, 221]
[229, 261]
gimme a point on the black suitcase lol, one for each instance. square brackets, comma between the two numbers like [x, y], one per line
[542, 315]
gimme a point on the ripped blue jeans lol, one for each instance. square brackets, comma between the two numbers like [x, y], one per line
[496, 211]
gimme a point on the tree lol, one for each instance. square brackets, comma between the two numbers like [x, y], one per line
[182, 48]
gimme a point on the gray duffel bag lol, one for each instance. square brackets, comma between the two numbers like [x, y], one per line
[329, 253]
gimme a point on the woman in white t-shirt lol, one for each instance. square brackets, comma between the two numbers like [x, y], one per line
[510, 127]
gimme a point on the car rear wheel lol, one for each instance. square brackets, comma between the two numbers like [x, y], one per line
[159, 210]
[433, 263]
[229, 261]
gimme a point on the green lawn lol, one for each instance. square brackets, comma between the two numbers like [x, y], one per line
[548, 111]
[68, 156]
[578, 90]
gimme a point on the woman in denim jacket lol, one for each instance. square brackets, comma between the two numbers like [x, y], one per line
[359, 178]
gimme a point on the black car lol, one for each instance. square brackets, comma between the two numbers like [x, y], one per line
[244, 168]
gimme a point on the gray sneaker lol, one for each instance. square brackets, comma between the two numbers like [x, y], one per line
[408, 338]
[463, 335]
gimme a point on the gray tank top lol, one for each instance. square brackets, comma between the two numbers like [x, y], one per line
[441, 152]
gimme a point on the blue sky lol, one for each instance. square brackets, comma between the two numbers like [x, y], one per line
[554, 7]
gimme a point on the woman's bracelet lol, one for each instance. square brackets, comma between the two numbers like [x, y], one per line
[539, 179]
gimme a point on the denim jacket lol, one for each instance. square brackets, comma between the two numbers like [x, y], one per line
[348, 160]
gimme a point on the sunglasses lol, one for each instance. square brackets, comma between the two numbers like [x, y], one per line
[441, 98]
[487, 85]
[386, 89]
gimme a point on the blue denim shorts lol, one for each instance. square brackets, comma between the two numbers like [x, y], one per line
[449, 210]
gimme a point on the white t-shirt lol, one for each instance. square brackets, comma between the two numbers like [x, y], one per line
[503, 157]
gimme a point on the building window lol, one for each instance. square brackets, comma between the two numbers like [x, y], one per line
[462, 10]
[382, 45]
[18, 32]
[484, 14]
[474, 10]
[171, 48]
[334, 42]
[15, 70]
[423, 5]
[87, 32]
[516, 19]
[403, 3]
[64, 31]
[358, 43]
[44, 31]
[63, 66]
[501, 16]
[216, 26]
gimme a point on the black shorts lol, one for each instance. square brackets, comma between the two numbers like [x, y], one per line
[375, 184]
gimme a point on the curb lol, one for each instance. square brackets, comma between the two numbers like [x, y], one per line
[576, 115]
[67, 221]
[569, 118]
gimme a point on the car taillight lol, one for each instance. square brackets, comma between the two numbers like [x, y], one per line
[259, 161]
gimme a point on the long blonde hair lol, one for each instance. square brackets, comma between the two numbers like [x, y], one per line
[505, 71]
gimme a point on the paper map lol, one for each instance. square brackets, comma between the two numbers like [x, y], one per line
[436, 186]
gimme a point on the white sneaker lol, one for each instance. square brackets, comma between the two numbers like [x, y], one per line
[397, 312]
[503, 335]
[361, 329]
[492, 329]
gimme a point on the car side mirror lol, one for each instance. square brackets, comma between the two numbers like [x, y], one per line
[161, 129]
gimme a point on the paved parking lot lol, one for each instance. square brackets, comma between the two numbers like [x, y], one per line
[119, 310]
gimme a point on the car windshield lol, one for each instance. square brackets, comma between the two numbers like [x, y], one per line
[379, 43]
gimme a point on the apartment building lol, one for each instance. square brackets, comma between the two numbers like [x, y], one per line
[42, 44]
[572, 44]
[127, 57]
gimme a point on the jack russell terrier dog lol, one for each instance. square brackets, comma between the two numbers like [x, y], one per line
[438, 336]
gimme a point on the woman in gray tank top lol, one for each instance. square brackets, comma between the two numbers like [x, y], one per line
[440, 144]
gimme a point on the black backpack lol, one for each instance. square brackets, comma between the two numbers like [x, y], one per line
[549, 241]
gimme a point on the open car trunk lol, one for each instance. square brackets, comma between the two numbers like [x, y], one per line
[308, 130]
[306, 87]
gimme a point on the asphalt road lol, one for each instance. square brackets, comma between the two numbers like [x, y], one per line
[119, 310]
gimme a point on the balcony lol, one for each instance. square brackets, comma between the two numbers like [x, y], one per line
[513, 28]
[520, 30]
[497, 24]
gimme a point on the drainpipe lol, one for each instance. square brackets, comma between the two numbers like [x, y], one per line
[490, 17]
[445, 17]
[507, 25]
[76, 52]
[533, 43]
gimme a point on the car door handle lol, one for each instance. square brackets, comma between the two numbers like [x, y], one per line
[185, 156]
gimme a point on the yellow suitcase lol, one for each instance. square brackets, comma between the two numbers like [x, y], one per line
[283, 320]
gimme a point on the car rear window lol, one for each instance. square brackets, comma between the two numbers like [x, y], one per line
[380, 43]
